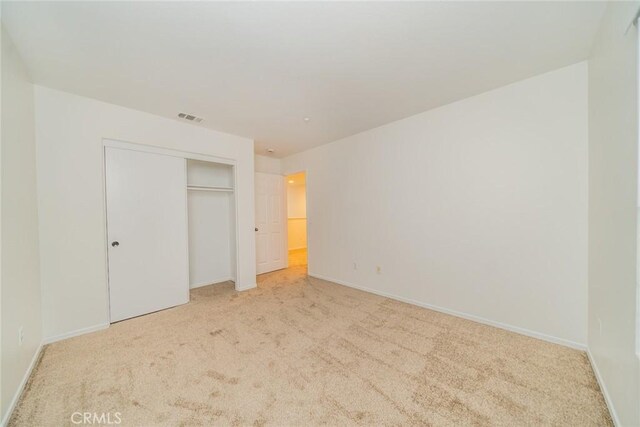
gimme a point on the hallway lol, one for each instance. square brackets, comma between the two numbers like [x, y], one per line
[298, 257]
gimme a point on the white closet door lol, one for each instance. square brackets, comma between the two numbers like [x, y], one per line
[147, 232]
[271, 237]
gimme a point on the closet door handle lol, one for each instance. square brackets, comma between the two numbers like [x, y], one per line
[114, 244]
[257, 229]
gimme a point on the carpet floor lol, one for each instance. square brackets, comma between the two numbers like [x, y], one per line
[299, 351]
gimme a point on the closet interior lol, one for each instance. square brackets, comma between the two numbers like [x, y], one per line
[211, 223]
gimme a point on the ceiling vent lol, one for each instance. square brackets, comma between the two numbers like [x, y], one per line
[190, 117]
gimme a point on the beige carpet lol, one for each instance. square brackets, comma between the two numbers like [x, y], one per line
[299, 352]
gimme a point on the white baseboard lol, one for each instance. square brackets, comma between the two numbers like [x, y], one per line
[245, 288]
[211, 282]
[23, 383]
[49, 340]
[603, 388]
[522, 331]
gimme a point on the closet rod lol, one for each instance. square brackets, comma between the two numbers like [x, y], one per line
[198, 188]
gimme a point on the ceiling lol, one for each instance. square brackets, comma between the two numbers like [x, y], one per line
[258, 69]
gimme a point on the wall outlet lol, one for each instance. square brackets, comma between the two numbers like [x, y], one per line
[378, 269]
[20, 335]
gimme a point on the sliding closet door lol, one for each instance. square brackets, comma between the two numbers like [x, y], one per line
[147, 232]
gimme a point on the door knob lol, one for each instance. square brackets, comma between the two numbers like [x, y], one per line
[256, 228]
[114, 244]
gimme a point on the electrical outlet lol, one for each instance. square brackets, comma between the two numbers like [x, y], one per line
[378, 269]
[20, 335]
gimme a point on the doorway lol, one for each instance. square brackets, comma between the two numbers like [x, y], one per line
[297, 219]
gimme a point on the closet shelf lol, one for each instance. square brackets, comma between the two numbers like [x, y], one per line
[202, 188]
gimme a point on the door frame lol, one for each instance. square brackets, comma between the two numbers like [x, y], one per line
[152, 149]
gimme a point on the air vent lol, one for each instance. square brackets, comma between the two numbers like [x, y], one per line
[190, 117]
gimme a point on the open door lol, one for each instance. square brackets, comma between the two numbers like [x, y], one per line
[271, 220]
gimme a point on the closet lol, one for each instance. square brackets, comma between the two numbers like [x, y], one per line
[171, 226]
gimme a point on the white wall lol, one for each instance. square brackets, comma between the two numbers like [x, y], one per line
[20, 264]
[266, 164]
[613, 172]
[69, 133]
[478, 207]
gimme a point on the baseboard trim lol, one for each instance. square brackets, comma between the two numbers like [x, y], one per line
[23, 383]
[246, 288]
[211, 282]
[75, 333]
[511, 328]
[603, 388]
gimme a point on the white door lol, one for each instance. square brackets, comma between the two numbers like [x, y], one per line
[147, 232]
[271, 237]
